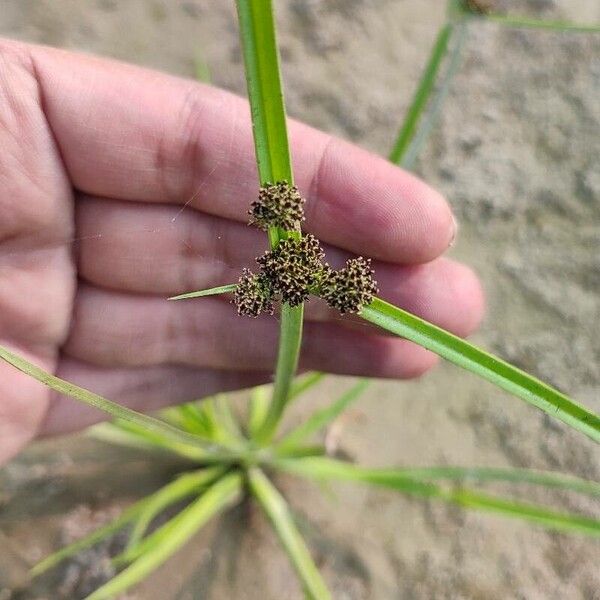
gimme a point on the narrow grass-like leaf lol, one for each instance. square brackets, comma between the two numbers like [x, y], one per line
[548, 479]
[222, 289]
[459, 10]
[226, 420]
[184, 486]
[90, 540]
[191, 417]
[155, 438]
[321, 418]
[529, 23]
[279, 514]
[117, 432]
[221, 495]
[330, 469]
[259, 406]
[197, 446]
[304, 383]
[422, 94]
[487, 366]
[257, 29]
[440, 93]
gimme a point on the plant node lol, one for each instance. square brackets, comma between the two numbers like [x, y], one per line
[350, 288]
[253, 294]
[278, 205]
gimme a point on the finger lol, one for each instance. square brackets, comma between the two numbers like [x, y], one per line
[120, 249]
[112, 329]
[133, 134]
[142, 389]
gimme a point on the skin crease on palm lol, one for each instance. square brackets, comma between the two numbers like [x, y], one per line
[122, 186]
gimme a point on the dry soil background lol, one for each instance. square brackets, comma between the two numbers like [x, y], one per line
[516, 152]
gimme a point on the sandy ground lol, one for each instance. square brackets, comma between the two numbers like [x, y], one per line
[516, 152]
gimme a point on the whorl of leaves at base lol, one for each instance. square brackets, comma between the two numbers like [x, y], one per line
[278, 205]
[293, 268]
[350, 288]
[253, 294]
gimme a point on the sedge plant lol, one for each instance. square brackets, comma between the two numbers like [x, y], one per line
[231, 457]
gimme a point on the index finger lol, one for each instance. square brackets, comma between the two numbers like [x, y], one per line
[133, 134]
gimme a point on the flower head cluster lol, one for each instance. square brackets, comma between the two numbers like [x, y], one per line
[296, 267]
[253, 294]
[278, 205]
[350, 288]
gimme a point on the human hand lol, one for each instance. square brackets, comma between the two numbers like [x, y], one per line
[122, 186]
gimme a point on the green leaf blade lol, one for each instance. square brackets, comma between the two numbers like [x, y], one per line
[321, 418]
[487, 366]
[278, 512]
[184, 486]
[422, 94]
[221, 289]
[220, 496]
[321, 468]
[195, 445]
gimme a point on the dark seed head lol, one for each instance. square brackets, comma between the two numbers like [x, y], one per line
[350, 288]
[278, 205]
[293, 268]
[253, 294]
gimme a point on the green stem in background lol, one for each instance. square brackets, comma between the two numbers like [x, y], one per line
[278, 512]
[422, 94]
[257, 29]
[526, 22]
[487, 366]
[439, 94]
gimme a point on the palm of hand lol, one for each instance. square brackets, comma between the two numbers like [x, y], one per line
[107, 155]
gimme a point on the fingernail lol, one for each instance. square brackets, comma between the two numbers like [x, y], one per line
[454, 231]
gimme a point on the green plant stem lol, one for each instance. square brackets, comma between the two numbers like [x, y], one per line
[422, 94]
[530, 23]
[438, 97]
[278, 512]
[257, 29]
[487, 366]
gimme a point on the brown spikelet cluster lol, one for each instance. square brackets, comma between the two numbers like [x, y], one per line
[350, 288]
[296, 267]
[253, 294]
[278, 205]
